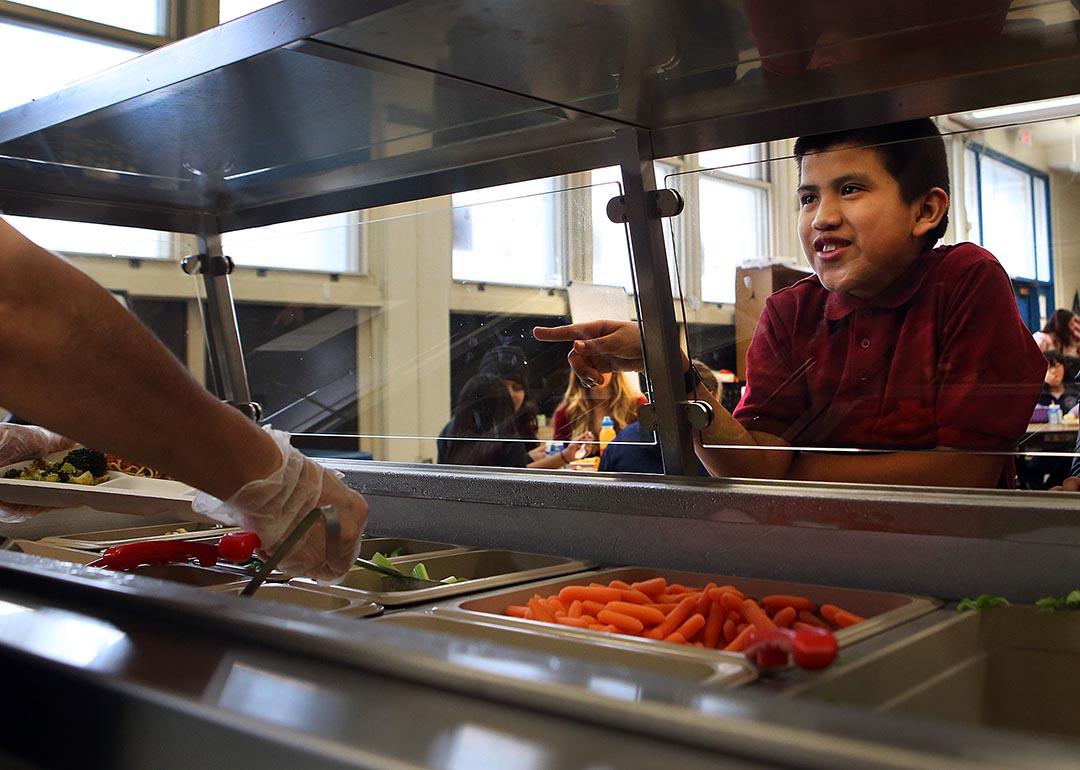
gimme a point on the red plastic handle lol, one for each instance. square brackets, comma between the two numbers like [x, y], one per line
[132, 555]
[812, 648]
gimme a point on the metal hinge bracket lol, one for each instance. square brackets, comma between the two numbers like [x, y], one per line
[662, 204]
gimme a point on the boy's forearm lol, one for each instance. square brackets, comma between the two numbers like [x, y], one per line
[751, 462]
[72, 359]
[938, 468]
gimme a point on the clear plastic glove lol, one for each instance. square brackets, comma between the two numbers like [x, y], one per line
[272, 507]
[26, 442]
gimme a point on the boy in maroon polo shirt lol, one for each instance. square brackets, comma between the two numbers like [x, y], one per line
[891, 345]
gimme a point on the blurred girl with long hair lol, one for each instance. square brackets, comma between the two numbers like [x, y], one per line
[582, 409]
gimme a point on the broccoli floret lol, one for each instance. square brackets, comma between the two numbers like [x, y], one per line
[14, 473]
[87, 460]
[63, 476]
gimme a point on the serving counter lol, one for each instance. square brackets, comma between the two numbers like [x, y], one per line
[309, 108]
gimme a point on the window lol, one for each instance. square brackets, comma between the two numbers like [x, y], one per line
[47, 61]
[509, 234]
[234, 9]
[733, 216]
[136, 15]
[90, 239]
[1012, 221]
[328, 244]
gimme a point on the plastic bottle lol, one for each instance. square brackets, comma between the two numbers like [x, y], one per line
[607, 433]
[1053, 414]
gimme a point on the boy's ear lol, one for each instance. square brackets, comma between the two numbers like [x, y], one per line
[931, 208]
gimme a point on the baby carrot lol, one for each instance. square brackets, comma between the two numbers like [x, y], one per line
[606, 628]
[653, 633]
[589, 619]
[811, 619]
[785, 617]
[621, 585]
[717, 593]
[650, 616]
[714, 625]
[676, 637]
[557, 607]
[798, 625]
[704, 602]
[540, 609]
[621, 621]
[590, 607]
[729, 631]
[653, 587]
[516, 611]
[733, 602]
[566, 620]
[677, 588]
[843, 618]
[776, 602]
[699, 645]
[738, 644]
[601, 594]
[752, 612]
[676, 617]
[691, 627]
[635, 597]
[828, 611]
[575, 609]
[739, 627]
[666, 608]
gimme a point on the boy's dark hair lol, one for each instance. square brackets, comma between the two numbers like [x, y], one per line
[1053, 358]
[912, 151]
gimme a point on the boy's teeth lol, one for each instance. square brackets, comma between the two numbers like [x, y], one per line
[829, 247]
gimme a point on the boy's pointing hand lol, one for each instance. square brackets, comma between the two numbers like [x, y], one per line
[599, 347]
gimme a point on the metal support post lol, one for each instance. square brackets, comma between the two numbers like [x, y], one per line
[222, 331]
[660, 337]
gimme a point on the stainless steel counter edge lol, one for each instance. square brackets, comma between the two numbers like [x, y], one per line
[743, 724]
[948, 544]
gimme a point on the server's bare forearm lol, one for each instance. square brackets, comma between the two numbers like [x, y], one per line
[73, 360]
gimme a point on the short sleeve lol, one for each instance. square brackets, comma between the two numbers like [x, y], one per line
[990, 369]
[774, 399]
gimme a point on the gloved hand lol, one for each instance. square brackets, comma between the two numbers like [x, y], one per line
[26, 442]
[272, 507]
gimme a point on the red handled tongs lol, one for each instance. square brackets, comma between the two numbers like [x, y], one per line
[774, 648]
[237, 547]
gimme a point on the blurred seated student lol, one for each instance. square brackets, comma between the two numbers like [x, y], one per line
[627, 453]
[892, 344]
[104, 380]
[508, 363]
[582, 409]
[1060, 334]
[1055, 388]
[484, 421]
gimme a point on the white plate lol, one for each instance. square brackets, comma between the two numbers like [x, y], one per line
[120, 494]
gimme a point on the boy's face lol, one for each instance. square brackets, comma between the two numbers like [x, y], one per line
[856, 230]
[1055, 374]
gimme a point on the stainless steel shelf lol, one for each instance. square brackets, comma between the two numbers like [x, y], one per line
[310, 107]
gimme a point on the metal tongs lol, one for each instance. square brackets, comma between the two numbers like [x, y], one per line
[399, 580]
[332, 523]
